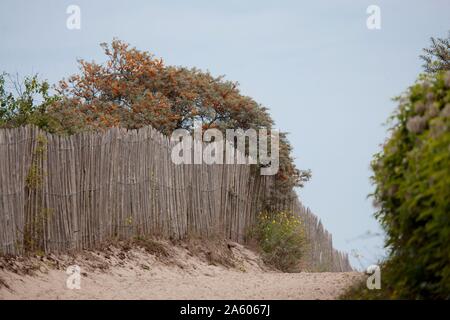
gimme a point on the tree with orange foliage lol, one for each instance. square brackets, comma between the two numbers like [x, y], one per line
[133, 89]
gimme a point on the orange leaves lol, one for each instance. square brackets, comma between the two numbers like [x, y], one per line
[138, 89]
[189, 95]
[117, 88]
[63, 84]
[103, 120]
[133, 89]
[159, 63]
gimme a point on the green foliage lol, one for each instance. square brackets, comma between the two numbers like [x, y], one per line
[26, 102]
[35, 176]
[33, 236]
[281, 237]
[359, 290]
[412, 178]
[35, 225]
[437, 57]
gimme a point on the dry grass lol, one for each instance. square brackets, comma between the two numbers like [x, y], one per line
[153, 247]
[20, 265]
[214, 251]
[4, 284]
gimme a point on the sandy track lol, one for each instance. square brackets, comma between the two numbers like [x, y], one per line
[139, 275]
[226, 285]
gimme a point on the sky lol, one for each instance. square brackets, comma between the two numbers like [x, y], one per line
[326, 78]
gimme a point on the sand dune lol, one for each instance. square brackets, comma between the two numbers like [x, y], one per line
[185, 271]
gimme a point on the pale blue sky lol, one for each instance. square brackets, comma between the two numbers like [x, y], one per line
[326, 78]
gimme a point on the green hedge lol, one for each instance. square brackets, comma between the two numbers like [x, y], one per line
[412, 179]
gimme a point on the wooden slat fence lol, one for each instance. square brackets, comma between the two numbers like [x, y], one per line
[61, 193]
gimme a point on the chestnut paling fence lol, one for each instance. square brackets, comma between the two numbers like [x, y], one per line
[60, 193]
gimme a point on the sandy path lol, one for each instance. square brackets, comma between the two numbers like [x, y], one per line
[227, 285]
[140, 277]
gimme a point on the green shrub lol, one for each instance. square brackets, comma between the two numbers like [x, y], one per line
[412, 178]
[281, 237]
[28, 103]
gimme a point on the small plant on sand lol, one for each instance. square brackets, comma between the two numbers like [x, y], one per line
[281, 237]
[37, 216]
